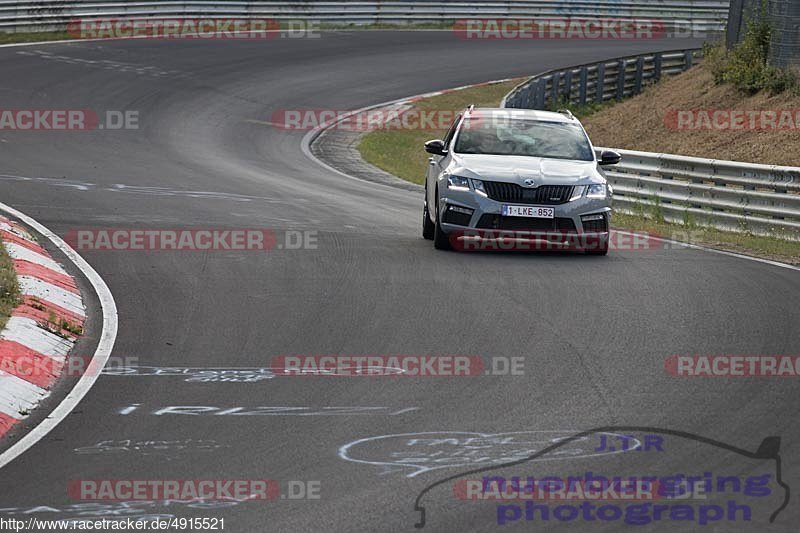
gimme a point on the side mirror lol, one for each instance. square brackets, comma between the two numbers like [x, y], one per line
[609, 157]
[435, 147]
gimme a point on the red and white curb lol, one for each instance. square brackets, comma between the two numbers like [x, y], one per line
[41, 331]
[107, 337]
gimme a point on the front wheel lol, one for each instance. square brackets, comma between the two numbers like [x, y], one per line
[440, 240]
[600, 250]
[428, 228]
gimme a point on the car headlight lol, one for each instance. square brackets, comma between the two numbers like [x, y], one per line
[596, 190]
[479, 188]
[457, 183]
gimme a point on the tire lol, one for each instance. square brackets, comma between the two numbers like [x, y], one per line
[440, 239]
[603, 250]
[428, 228]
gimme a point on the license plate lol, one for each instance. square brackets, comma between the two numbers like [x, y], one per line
[528, 211]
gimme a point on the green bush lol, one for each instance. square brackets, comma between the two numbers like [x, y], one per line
[714, 56]
[747, 66]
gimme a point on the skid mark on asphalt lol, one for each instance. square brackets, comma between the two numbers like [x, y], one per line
[162, 448]
[239, 374]
[143, 190]
[137, 510]
[105, 64]
[199, 410]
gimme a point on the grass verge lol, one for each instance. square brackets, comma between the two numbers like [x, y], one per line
[400, 153]
[32, 37]
[743, 243]
[9, 288]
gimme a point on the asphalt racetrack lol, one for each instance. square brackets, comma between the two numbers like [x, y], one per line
[593, 332]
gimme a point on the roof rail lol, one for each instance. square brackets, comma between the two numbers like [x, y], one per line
[566, 112]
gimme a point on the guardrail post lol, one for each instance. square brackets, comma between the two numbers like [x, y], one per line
[528, 96]
[540, 94]
[637, 87]
[556, 81]
[528, 102]
[582, 86]
[621, 78]
[688, 57]
[657, 67]
[568, 86]
[601, 83]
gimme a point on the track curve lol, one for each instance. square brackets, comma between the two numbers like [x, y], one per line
[594, 332]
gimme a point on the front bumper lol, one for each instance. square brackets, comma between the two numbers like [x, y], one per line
[486, 214]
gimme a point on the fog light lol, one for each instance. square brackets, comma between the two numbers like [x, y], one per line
[462, 210]
[595, 223]
[459, 216]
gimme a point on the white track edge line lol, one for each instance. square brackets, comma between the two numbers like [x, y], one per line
[101, 354]
[712, 250]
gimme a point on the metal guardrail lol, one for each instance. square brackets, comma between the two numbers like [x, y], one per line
[740, 197]
[614, 79]
[705, 15]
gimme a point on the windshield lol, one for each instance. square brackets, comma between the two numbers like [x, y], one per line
[527, 137]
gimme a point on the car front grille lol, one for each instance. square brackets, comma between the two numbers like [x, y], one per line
[542, 195]
[500, 222]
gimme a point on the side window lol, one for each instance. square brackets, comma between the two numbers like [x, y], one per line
[451, 132]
